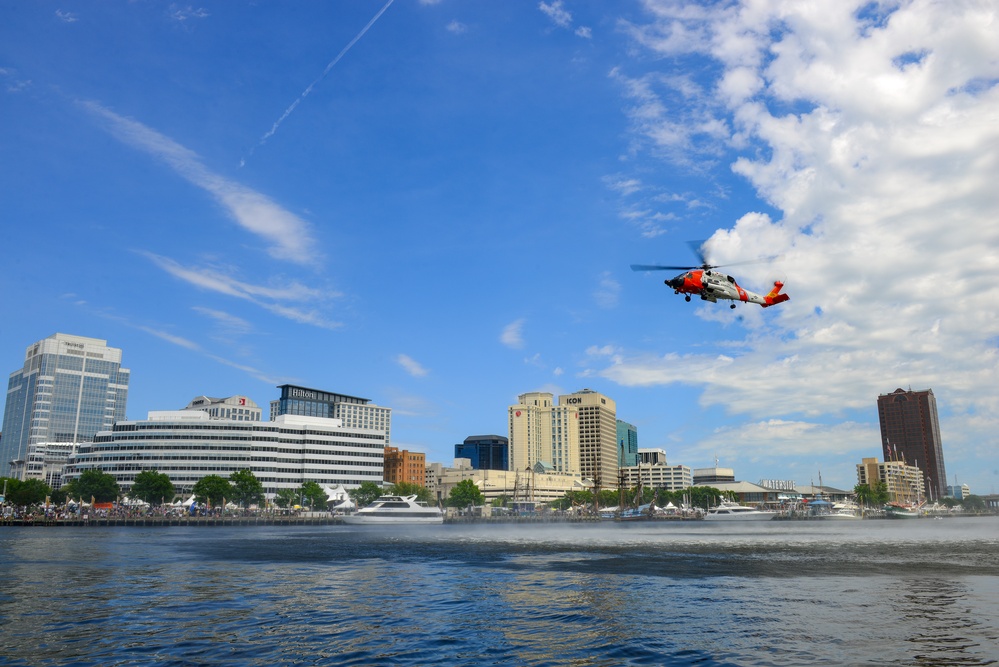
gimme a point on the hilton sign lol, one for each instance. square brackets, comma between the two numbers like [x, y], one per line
[296, 392]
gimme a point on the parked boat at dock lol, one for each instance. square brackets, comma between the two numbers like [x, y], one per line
[395, 510]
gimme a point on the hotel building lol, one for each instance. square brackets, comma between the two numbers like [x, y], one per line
[354, 412]
[187, 445]
[543, 432]
[904, 482]
[238, 408]
[68, 389]
[910, 433]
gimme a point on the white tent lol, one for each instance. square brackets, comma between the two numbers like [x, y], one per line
[338, 498]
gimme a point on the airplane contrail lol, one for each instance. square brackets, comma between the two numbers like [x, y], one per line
[305, 93]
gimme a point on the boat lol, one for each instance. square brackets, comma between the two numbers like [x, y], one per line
[840, 514]
[726, 510]
[396, 510]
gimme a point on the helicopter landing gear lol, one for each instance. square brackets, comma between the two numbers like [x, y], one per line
[687, 298]
[731, 305]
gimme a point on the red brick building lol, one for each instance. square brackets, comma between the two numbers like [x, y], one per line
[405, 466]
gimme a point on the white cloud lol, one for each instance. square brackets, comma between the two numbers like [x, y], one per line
[608, 291]
[182, 14]
[411, 366]
[512, 335]
[289, 237]
[457, 27]
[66, 17]
[878, 142]
[229, 324]
[270, 298]
[562, 17]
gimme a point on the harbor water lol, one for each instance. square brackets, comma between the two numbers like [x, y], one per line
[913, 592]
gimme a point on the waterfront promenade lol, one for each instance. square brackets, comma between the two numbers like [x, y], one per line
[259, 520]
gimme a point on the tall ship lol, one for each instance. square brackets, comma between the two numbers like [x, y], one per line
[387, 510]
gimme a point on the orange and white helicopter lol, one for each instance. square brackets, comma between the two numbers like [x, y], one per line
[711, 285]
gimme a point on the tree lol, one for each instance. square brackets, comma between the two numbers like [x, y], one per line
[366, 493]
[96, 484]
[465, 494]
[313, 495]
[871, 495]
[212, 489]
[28, 492]
[246, 488]
[410, 489]
[973, 503]
[286, 498]
[153, 487]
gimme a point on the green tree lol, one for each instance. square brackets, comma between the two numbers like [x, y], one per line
[973, 503]
[465, 494]
[871, 495]
[286, 498]
[212, 489]
[153, 487]
[502, 500]
[366, 493]
[410, 489]
[313, 495]
[28, 492]
[246, 488]
[96, 484]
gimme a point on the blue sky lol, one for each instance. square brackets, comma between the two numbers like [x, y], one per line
[434, 205]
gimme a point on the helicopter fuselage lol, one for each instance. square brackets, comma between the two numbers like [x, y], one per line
[714, 285]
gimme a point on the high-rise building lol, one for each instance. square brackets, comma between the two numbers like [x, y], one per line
[627, 444]
[354, 412]
[69, 388]
[598, 459]
[405, 467]
[486, 452]
[543, 432]
[910, 433]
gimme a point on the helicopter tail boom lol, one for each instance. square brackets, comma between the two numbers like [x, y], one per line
[775, 296]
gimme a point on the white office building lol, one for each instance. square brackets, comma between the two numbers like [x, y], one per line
[654, 471]
[187, 445]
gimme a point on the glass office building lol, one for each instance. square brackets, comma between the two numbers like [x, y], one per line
[69, 388]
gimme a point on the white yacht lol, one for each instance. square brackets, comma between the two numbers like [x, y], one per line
[729, 511]
[395, 510]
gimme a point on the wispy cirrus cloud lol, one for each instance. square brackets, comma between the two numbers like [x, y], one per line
[512, 335]
[288, 236]
[270, 298]
[411, 366]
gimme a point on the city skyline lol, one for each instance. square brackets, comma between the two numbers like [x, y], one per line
[435, 204]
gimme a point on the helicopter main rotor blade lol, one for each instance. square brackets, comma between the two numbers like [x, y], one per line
[657, 267]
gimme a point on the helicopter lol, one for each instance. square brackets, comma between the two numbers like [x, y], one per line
[704, 281]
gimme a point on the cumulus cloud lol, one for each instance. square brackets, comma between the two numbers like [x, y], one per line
[876, 138]
[457, 27]
[288, 236]
[512, 335]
